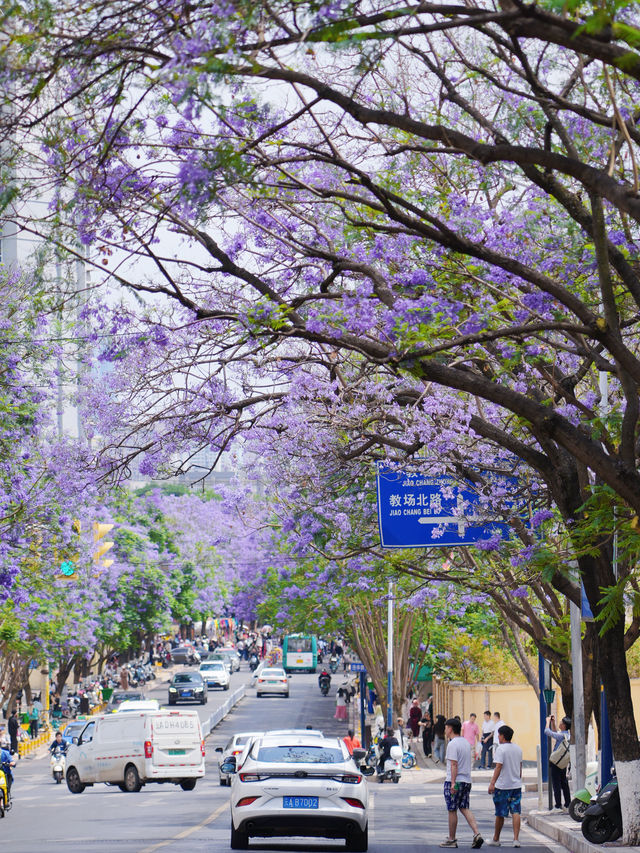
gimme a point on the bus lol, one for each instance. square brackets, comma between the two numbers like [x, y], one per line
[300, 652]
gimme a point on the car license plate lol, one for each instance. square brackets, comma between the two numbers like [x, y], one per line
[186, 692]
[272, 682]
[177, 752]
[299, 802]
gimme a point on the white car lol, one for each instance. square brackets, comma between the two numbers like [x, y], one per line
[137, 705]
[215, 673]
[234, 747]
[272, 680]
[290, 785]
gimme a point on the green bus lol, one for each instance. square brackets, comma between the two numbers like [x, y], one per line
[300, 652]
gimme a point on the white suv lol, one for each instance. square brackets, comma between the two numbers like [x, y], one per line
[290, 785]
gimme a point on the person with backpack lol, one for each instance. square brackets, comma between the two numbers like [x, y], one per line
[559, 761]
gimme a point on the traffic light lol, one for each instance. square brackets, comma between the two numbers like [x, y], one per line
[99, 531]
[67, 565]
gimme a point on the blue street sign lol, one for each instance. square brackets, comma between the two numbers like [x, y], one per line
[587, 614]
[357, 666]
[419, 511]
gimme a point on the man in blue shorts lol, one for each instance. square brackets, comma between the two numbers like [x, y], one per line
[457, 786]
[506, 785]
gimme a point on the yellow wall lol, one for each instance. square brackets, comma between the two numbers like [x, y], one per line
[517, 704]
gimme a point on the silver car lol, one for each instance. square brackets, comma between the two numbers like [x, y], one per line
[290, 785]
[272, 680]
[215, 673]
[234, 747]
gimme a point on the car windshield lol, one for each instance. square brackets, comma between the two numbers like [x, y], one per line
[185, 678]
[212, 665]
[73, 729]
[120, 697]
[300, 754]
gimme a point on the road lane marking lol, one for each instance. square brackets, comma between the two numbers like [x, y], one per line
[418, 800]
[187, 832]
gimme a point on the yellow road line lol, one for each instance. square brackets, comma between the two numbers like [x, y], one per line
[186, 832]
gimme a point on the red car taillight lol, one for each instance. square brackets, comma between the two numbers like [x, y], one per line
[148, 749]
[353, 802]
[202, 748]
[246, 801]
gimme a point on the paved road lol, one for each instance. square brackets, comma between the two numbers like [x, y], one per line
[404, 818]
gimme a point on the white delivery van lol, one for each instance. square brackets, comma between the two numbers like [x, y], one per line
[129, 750]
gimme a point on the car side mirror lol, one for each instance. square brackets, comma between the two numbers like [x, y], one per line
[219, 749]
[358, 753]
[367, 771]
[75, 740]
[229, 766]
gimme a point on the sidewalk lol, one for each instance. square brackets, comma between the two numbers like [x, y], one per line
[564, 830]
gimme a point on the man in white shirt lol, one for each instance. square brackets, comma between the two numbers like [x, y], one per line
[506, 785]
[457, 786]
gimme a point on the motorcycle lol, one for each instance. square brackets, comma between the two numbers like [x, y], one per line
[602, 821]
[408, 759]
[253, 662]
[325, 683]
[333, 664]
[5, 800]
[392, 767]
[582, 798]
[58, 765]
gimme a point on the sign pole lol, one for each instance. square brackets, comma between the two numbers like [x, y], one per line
[363, 690]
[390, 656]
[578, 723]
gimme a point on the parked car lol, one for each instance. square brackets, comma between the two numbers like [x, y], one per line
[130, 750]
[120, 696]
[184, 654]
[272, 680]
[315, 789]
[187, 687]
[215, 673]
[234, 747]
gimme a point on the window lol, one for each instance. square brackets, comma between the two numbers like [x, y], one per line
[300, 755]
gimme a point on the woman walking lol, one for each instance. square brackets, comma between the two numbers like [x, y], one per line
[559, 761]
[426, 724]
[341, 705]
[438, 739]
[415, 715]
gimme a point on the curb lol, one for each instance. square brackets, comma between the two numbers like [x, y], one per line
[571, 838]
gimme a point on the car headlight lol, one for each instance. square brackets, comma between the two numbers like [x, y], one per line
[172, 690]
[199, 689]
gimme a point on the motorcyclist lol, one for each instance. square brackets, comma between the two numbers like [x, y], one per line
[324, 676]
[384, 747]
[58, 744]
[7, 761]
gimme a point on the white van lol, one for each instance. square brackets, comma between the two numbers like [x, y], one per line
[129, 750]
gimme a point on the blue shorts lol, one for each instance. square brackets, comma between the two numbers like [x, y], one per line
[507, 801]
[458, 799]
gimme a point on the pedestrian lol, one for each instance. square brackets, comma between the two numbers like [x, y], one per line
[13, 725]
[559, 761]
[486, 740]
[341, 705]
[427, 734]
[497, 723]
[457, 786]
[351, 741]
[415, 715]
[506, 785]
[438, 739]
[124, 678]
[33, 722]
[471, 733]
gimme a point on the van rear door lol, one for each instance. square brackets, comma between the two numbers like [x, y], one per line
[177, 748]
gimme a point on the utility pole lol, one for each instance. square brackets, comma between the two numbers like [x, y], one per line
[390, 656]
[578, 723]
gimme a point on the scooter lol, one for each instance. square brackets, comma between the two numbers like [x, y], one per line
[324, 686]
[58, 765]
[392, 767]
[408, 759]
[582, 798]
[333, 664]
[5, 800]
[253, 662]
[602, 821]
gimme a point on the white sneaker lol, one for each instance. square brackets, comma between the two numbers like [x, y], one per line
[492, 843]
[516, 843]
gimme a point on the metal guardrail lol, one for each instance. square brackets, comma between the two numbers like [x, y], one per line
[220, 713]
